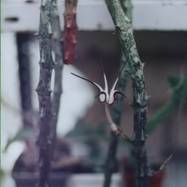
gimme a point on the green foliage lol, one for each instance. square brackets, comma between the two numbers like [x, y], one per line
[22, 135]
[1, 175]
[179, 94]
[173, 81]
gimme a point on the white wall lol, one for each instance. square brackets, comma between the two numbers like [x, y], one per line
[93, 15]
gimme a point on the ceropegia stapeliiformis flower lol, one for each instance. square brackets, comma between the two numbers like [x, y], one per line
[104, 95]
[107, 97]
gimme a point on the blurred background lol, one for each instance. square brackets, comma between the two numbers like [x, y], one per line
[83, 134]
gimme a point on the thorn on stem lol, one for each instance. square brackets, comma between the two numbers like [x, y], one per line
[153, 172]
[163, 165]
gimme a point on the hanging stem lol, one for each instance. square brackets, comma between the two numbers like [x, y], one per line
[134, 67]
[70, 31]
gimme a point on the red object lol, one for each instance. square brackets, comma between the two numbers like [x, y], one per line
[154, 181]
[129, 178]
[70, 32]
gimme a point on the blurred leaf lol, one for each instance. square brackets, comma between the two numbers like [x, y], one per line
[1, 175]
[173, 81]
[85, 131]
[179, 94]
[22, 135]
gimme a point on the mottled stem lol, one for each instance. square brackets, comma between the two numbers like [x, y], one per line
[49, 39]
[44, 92]
[117, 108]
[58, 66]
[134, 67]
[127, 8]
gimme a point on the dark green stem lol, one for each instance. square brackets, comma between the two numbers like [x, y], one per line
[117, 109]
[127, 8]
[134, 67]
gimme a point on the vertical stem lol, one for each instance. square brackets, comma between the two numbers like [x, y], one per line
[24, 77]
[134, 67]
[117, 109]
[58, 66]
[50, 43]
[110, 160]
[113, 144]
[139, 146]
[44, 92]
